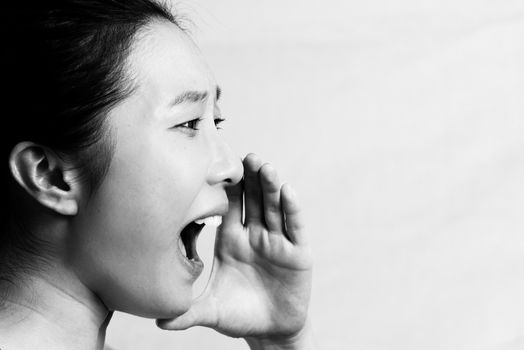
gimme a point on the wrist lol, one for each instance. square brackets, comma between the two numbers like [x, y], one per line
[303, 340]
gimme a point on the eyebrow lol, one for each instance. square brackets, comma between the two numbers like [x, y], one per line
[194, 96]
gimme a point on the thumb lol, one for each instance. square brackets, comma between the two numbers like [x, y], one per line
[201, 313]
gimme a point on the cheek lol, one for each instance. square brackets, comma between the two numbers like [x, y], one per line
[129, 230]
[151, 185]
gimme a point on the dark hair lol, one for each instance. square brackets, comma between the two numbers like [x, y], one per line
[63, 69]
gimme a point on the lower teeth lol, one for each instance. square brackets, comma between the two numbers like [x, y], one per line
[181, 246]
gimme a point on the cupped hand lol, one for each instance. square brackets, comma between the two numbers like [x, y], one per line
[260, 282]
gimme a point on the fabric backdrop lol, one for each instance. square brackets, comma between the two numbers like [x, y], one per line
[400, 124]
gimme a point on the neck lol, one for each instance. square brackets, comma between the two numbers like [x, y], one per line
[60, 311]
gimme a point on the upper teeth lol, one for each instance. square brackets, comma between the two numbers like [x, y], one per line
[210, 220]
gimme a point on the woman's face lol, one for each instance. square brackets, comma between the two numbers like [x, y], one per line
[170, 167]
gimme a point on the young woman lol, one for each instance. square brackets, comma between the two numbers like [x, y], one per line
[113, 163]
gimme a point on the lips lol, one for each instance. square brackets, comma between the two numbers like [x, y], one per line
[188, 241]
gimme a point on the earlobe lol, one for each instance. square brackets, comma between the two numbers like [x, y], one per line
[45, 176]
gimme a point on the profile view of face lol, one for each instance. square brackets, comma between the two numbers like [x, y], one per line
[170, 167]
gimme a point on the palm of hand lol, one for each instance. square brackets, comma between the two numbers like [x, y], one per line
[261, 284]
[261, 278]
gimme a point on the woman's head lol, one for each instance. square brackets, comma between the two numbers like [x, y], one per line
[115, 150]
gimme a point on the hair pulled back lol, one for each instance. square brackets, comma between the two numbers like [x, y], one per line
[63, 69]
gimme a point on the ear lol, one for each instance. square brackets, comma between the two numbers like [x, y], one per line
[46, 177]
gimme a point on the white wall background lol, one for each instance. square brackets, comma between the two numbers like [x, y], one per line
[401, 125]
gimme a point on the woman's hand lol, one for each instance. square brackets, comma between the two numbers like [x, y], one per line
[260, 283]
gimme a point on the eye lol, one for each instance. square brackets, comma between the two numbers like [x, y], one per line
[219, 121]
[191, 124]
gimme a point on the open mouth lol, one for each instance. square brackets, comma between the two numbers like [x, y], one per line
[189, 236]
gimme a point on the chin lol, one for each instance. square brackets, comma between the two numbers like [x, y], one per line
[169, 311]
[171, 305]
[167, 304]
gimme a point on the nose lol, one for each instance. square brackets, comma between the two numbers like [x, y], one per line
[226, 168]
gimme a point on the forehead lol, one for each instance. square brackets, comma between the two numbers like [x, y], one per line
[164, 61]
